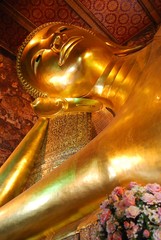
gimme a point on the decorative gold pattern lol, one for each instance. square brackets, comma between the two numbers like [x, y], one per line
[89, 232]
[16, 115]
[67, 134]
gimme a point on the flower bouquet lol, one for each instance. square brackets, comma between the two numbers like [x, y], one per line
[132, 213]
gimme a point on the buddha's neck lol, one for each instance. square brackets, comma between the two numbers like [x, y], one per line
[119, 79]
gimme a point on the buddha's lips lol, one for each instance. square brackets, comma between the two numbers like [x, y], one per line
[67, 48]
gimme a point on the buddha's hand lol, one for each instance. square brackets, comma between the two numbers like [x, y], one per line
[48, 107]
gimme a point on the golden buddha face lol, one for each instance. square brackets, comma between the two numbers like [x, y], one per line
[62, 60]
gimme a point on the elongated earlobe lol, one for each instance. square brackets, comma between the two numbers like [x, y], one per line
[123, 50]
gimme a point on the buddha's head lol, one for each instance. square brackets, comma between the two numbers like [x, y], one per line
[61, 60]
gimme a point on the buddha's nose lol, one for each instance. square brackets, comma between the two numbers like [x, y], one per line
[58, 42]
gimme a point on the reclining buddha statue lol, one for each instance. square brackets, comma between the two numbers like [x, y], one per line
[71, 71]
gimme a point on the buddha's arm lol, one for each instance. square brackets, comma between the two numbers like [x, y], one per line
[48, 107]
[15, 171]
[128, 149]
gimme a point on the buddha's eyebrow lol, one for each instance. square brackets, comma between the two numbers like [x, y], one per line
[62, 29]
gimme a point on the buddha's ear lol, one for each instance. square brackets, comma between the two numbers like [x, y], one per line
[123, 50]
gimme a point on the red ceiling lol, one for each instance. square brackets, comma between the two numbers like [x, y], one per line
[123, 19]
[41, 11]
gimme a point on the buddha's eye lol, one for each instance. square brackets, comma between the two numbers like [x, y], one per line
[63, 29]
[38, 58]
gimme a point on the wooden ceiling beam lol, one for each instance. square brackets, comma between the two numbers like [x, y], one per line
[17, 16]
[5, 47]
[151, 10]
[89, 18]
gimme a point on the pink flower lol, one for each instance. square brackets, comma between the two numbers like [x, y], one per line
[159, 213]
[132, 212]
[157, 234]
[132, 231]
[133, 184]
[120, 205]
[110, 227]
[117, 236]
[148, 198]
[118, 191]
[135, 228]
[154, 216]
[129, 198]
[157, 196]
[106, 214]
[146, 233]
[104, 204]
[132, 224]
[153, 187]
[120, 208]
[110, 237]
[115, 198]
[126, 225]
[129, 233]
